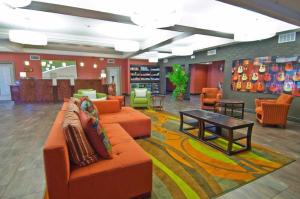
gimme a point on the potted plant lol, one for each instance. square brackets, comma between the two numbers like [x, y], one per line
[179, 78]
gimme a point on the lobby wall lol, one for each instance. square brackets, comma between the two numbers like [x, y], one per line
[86, 72]
[268, 47]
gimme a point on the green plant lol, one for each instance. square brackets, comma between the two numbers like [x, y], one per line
[179, 78]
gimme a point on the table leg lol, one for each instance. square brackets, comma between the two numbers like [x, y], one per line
[230, 141]
[243, 109]
[232, 107]
[249, 134]
[225, 109]
[181, 122]
[201, 130]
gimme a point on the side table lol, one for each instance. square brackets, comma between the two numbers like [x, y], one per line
[158, 102]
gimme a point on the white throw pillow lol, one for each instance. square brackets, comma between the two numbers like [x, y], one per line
[140, 92]
[89, 94]
[99, 99]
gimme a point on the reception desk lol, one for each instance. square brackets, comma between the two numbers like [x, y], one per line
[43, 90]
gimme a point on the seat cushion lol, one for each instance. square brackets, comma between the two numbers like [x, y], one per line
[209, 101]
[139, 100]
[128, 174]
[133, 121]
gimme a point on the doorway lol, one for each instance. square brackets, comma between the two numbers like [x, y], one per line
[169, 85]
[114, 73]
[6, 79]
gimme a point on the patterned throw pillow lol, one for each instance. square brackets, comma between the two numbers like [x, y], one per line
[87, 105]
[81, 152]
[96, 135]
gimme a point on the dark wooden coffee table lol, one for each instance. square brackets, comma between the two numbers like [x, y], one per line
[220, 126]
[232, 106]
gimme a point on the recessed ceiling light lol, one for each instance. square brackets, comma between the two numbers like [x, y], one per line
[27, 37]
[127, 46]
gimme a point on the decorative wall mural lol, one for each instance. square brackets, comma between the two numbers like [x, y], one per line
[59, 69]
[273, 75]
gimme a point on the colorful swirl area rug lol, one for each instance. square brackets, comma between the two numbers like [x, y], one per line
[187, 168]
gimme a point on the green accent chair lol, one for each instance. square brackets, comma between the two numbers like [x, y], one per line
[139, 102]
[81, 93]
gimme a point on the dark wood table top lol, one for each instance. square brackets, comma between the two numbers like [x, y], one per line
[230, 101]
[217, 119]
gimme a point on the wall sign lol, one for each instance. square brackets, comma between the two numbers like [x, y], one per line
[273, 75]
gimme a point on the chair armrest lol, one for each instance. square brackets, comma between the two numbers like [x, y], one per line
[258, 101]
[101, 95]
[275, 113]
[148, 95]
[219, 96]
[107, 106]
[132, 96]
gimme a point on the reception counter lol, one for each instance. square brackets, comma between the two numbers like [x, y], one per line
[43, 90]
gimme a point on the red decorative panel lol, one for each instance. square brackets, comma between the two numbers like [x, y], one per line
[88, 84]
[27, 90]
[64, 89]
[44, 90]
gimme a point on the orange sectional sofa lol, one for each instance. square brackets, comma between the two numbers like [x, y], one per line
[127, 175]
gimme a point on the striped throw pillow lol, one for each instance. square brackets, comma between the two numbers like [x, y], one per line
[80, 150]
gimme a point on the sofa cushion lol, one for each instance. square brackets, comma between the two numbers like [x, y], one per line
[96, 135]
[140, 92]
[133, 121]
[129, 172]
[82, 153]
[140, 100]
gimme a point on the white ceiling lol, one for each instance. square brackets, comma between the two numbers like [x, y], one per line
[205, 14]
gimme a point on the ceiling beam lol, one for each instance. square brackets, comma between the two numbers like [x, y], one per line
[276, 9]
[92, 14]
[163, 43]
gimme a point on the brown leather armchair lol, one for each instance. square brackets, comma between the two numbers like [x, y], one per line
[273, 111]
[209, 97]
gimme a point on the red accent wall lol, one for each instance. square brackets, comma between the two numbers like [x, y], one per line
[86, 72]
[214, 74]
[203, 75]
[198, 78]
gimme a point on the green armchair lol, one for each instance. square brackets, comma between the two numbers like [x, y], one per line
[138, 100]
[90, 92]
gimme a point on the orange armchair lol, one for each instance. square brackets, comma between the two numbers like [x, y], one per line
[273, 111]
[209, 97]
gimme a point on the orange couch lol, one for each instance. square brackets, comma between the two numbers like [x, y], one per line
[273, 111]
[127, 175]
